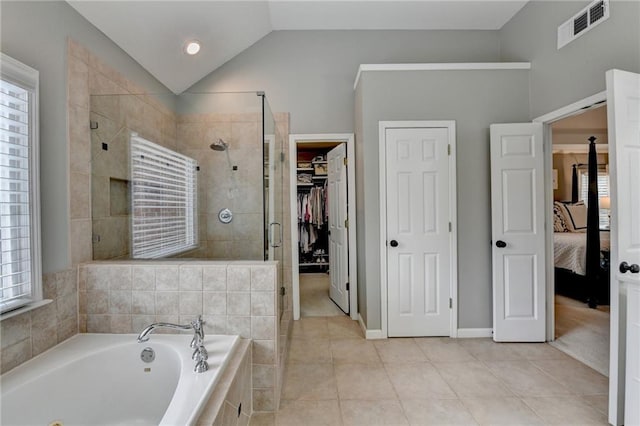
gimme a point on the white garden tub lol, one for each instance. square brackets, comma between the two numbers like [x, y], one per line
[100, 379]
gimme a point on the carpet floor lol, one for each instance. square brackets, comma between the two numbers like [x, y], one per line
[314, 296]
[583, 333]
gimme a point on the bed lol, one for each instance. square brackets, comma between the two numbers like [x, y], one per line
[581, 249]
[570, 250]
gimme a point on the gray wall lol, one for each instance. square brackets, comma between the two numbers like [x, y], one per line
[35, 33]
[311, 73]
[561, 77]
[474, 99]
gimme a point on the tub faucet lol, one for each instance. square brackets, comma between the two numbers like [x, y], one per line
[200, 354]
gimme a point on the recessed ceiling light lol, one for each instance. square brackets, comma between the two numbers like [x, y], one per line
[192, 47]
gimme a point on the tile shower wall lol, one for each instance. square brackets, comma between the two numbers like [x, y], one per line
[98, 93]
[227, 179]
[31, 333]
[233, 297]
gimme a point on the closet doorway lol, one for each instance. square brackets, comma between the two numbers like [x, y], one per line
[323, 228]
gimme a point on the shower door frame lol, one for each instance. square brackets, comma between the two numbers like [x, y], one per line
[349, 140]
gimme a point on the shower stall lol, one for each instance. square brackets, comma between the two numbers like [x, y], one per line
[197, 175]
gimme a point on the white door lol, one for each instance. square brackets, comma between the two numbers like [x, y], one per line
[338, 233]
[517, 221]
[418, 239]
[623, 98]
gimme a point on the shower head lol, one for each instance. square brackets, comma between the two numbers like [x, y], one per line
[219, 145]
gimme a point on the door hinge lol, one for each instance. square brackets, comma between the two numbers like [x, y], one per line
[283, 291]
[450, 226]
[450, 303]
[345, 161]
[282, 156]
[346, 223]
[347, 286]
[449, 149]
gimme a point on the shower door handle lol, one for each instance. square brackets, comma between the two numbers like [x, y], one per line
[272, 233]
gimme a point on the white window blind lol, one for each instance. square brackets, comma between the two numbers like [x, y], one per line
[19, 206]
[164, 200]
[603, 191]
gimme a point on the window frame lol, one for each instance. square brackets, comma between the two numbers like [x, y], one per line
[19, 74]
[604, 214]
[188, 179]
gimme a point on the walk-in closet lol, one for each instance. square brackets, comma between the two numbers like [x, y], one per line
[320, 208]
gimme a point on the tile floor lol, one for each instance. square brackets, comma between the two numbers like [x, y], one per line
[336, 377]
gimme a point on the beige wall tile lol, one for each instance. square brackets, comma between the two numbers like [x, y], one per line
[16, 354]
[263, 327]
[214, 303]
[80, 195]
[78, 82]
[167, 278]
[167, 303]
[97, 302]
[67, 329]
[119, 302]
[143, 303]
[238, 278]
[43, 339]
[238, 303]
[121, 324]
[190, 277]
[190, 303]
[264, 376]
[263, 303]
[67, 306]
[264, 351]
[98, 323]
[43, 317]
[80, 240]
[239, 325]
[14, 329]
[263, 278]
[119, 277]
[79, 140]
[215, 324]
[264, 400]
[144, 278]
[140, 322]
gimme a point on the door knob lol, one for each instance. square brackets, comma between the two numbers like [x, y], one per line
[393, 243]
[501, 244]
[633, 268]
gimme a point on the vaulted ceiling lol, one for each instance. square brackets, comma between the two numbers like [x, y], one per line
[154, 33]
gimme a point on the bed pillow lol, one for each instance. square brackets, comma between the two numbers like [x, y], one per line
[575, 217]
[559, 224]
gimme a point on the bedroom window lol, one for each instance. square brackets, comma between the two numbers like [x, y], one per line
[20, 274]
[163, 200]
[603, 191]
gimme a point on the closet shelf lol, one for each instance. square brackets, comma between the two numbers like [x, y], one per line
[315, 264]
[304, 169]
[319, 177]
[305, 184]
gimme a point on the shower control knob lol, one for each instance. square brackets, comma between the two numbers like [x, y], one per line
[633, 268]
[225, 216]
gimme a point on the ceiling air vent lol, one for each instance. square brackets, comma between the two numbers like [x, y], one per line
[583, 21]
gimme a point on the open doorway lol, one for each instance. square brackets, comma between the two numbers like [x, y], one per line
[322, 197]
[581, 291]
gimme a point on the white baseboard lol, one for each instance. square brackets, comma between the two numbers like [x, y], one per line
[466, 333]
[370, 334]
